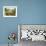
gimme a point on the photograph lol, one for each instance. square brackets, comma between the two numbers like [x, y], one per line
[9, 11]
[30, 33]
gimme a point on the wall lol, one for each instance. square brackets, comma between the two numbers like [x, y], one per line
[29, 12]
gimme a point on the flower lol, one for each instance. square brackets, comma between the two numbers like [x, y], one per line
[12, 36]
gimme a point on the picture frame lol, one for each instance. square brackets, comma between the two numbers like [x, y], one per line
[36, 32]
[9, 11]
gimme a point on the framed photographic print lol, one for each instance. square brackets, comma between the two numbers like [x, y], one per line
[33, 32]
[9, 11]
